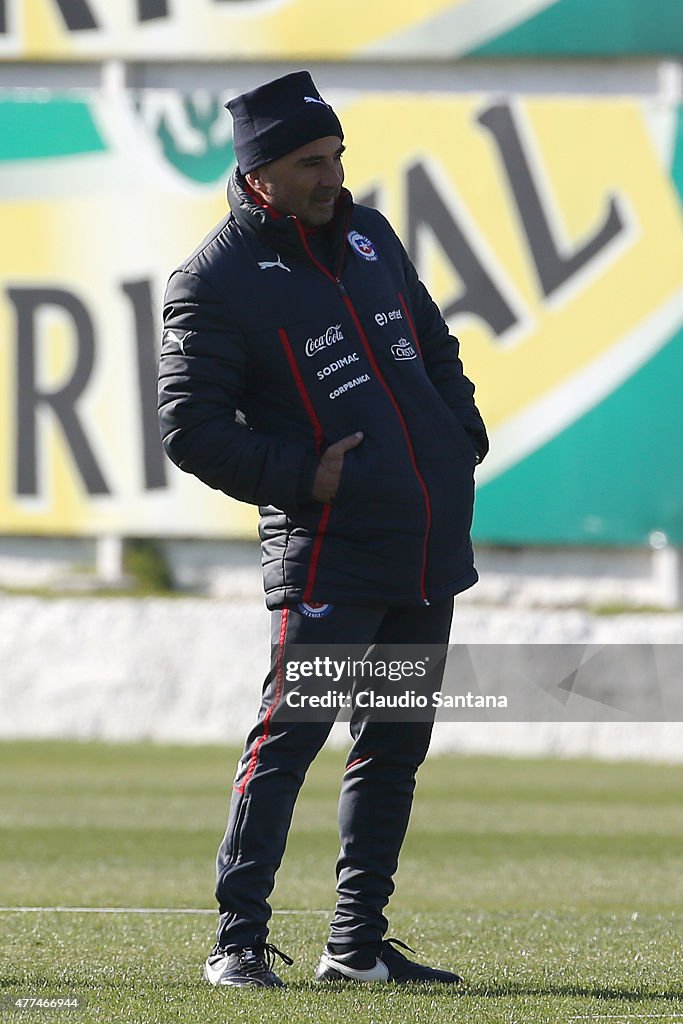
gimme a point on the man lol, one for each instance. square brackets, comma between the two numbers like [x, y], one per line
[305, 369]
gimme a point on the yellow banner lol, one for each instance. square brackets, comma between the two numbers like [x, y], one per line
[300, 30]
[550, 234]
[182, 29]
[548, 230]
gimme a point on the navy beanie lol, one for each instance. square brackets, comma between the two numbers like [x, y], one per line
[279, 117]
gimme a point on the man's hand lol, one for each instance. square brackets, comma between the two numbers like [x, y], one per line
[329, 471]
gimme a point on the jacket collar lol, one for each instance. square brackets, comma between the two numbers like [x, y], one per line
[283, 233]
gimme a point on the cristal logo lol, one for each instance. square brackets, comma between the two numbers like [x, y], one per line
[403, 350]
[331, 336]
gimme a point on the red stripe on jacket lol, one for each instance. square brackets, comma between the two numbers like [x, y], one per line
[318, 434]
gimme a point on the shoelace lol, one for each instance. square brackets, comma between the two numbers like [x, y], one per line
[397, 942]
[255, 960]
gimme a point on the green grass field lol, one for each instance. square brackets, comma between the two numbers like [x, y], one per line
[554, 887]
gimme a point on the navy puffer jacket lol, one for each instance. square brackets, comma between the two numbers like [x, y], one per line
[271, 353]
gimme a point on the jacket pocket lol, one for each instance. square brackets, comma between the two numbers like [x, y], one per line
[376, 486]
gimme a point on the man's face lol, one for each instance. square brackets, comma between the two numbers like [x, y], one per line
[305, 183]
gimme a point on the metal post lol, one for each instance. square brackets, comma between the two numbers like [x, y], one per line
[667, 574]
[109, 558]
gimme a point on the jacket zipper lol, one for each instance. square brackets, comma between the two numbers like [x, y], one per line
[368, 351]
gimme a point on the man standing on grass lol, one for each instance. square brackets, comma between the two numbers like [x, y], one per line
[305, 369]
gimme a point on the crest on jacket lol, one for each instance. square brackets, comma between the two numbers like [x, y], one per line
[363, 246]
[314, 609]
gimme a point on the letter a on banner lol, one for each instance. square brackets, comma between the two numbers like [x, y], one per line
[77, 14]
[552, 267]
[481, 296]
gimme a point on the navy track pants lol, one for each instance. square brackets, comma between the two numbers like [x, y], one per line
[376, 791]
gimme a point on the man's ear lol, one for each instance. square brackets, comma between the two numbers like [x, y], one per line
[255, 181]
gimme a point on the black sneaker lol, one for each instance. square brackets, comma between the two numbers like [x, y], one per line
[390, 965]
[251, 966]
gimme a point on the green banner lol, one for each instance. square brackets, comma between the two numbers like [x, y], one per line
[591, 28]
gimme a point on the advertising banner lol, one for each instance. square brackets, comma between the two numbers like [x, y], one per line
[355, 29]
[548, 230]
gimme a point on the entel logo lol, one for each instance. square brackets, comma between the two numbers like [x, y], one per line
[331, 336]
[384, 318]
[403, 350]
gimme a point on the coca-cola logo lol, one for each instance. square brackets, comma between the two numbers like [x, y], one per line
[331, 336]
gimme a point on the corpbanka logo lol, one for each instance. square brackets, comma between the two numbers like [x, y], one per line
[331, 336]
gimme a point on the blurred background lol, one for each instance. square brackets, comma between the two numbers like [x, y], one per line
[530, 155]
